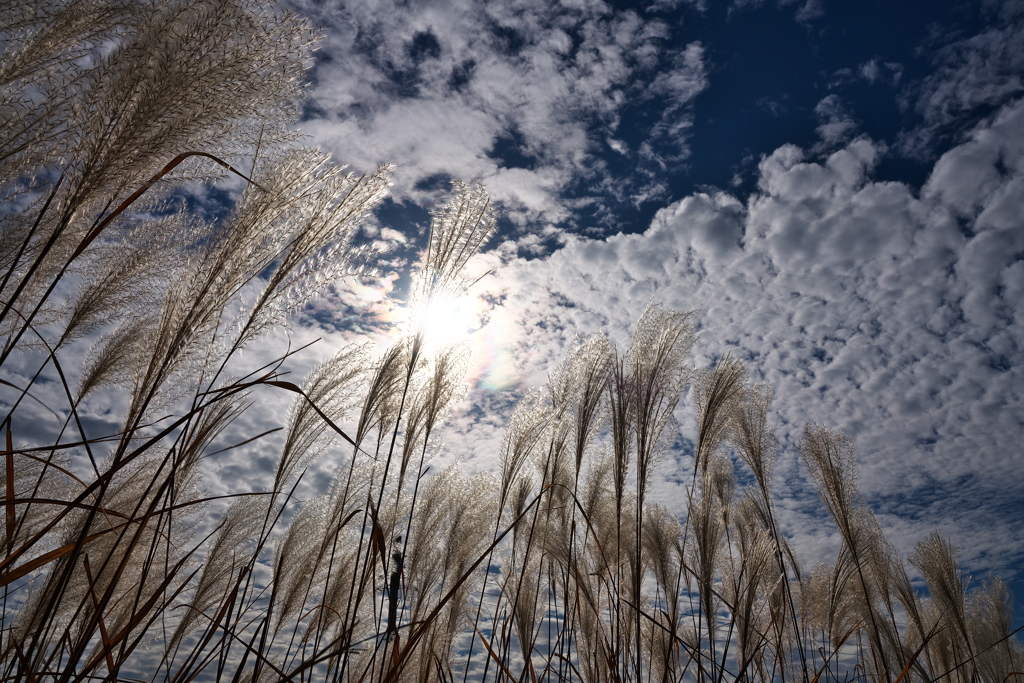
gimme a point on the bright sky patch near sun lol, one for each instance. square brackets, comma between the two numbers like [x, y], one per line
[836, 187]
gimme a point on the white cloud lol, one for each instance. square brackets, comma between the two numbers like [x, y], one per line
[711, 225]
[869, 70]
[895, 317]
[876, 70]
[444, 87]
[984, 70]
[835, 123]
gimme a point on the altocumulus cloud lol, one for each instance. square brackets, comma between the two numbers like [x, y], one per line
[891, 313]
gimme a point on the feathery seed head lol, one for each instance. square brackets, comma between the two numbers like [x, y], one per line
[525, 429]
[828, 456]
[755, 440]
[715, 393]
[457, 232]
[331, 386]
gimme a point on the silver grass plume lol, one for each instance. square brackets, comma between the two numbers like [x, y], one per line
[661, 545]
[424, 563]
[116, 566]
[662, 533]
[468, 515]
[383, 388]
[829, 598]
[756, 444]
[622, 406]
[41, 476]
[562, 387]
[990, 619]
[195, 441]
[829, 458]
[592, 363]
[333, 611]
[114, 358]
[657, 376]
[229, 551]
[527, 580]
[443, 385]
[523, 433]
[756, 441]
[449, 531]
[595, 484]
[351, 556]
[453, 536]
[521, 491]
[895, 593]
[715, 393]
[224, 259]
[346, 494]
[188, 73]
[316, 226]
[707, 517]
[936, 558]
[335, 558]
[720, 481]
[43, 43]
[751, 578]
[328, 555]
[120, 278]
[299, 555]
[181, 78]
[331, 386]
[893, 573]
[457, 232]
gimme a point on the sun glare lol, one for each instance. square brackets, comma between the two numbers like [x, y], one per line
[446, 320]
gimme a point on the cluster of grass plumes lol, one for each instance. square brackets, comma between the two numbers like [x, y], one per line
[556, 568]
[599, 585]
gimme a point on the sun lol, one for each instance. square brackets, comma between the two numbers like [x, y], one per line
[447, 320]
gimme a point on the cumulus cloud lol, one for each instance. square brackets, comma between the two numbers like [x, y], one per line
[890, 313]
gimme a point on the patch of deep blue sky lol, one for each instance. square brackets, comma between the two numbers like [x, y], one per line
[768, 68]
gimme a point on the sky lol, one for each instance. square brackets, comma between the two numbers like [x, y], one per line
[836, 188]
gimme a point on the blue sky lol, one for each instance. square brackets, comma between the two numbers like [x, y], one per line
[837, 188]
